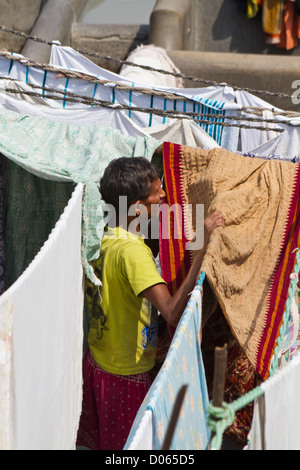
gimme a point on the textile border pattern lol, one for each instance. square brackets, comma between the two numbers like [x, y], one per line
[175, 259]
[278, 293]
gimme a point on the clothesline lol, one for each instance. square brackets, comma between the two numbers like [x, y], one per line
[91, 78]
[94, 102]
[170, 113]
[122, 86]
[146, 67]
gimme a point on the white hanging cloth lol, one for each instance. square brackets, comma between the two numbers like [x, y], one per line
[42, 313]
[281, 424]
[251, 139]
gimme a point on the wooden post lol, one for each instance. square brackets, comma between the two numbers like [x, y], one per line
[174, 418]
[219, 375]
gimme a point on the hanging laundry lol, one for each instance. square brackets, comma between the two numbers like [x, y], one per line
[185, 132]
[244, 262]
[6, 321]
[60, 152]
[251, 139]
[279, 428]
[208, 101]
[280, 21]
[45, 308]
[142, 437]
[183, 365]
[283, 147]
[32, 207]
[268, 144]
[290, 32]
[272, 15]
[253, 7]
[289, 337]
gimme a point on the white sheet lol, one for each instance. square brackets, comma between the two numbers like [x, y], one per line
[143, 439]
[282, 411]
[47, 340]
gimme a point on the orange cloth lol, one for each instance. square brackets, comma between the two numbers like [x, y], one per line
[290, 27]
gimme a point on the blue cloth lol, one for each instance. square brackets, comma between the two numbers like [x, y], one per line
[183, 366]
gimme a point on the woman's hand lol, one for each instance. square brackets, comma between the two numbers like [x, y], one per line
[210, 223]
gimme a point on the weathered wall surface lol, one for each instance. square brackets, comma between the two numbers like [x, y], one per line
[108, 40]
[54, 24]
[20, 16]
[214, 40]
[210, 26]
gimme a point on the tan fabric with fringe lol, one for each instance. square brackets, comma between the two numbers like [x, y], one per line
[255, 196]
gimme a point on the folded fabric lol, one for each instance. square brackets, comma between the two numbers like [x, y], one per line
[248, 263]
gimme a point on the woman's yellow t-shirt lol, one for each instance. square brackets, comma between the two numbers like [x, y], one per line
[123, 325]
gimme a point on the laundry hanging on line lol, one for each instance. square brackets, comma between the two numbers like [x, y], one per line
[263, 216]
[41, 343]
[183, 365]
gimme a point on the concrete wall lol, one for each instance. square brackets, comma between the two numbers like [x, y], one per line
[214, 40]
[108, 40]
[211, 26]
[209, 39]
[53, 24]
[20, 16]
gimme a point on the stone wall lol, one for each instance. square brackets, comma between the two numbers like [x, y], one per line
[20, 16]
[108, 40]
[214, 40]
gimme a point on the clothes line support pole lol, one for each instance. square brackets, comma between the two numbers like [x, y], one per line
[174, 418]
[219, 375]
[220, 367]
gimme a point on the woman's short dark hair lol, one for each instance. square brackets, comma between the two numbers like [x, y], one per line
[127, 176]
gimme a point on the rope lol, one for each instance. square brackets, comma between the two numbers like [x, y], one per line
[219, 419]
[75, 98]
[146, 67]
[91, 78]
[93, 101]
[147, 91]
[168, 113]
[122, 86]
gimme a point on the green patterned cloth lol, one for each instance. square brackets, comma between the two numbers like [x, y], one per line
[46, 159]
